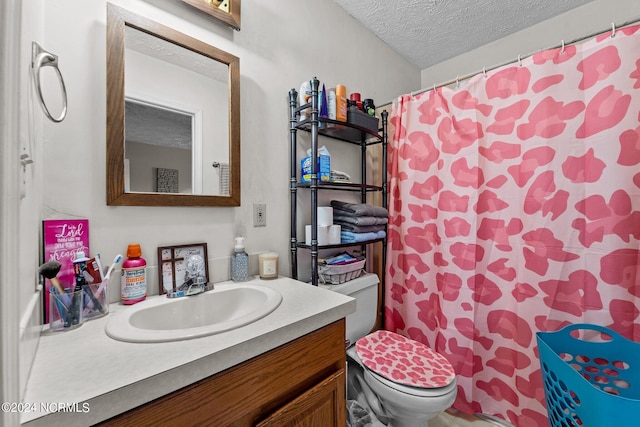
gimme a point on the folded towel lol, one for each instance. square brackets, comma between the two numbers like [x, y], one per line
[342, 217]
[360, 209]
[361, 228]
[351, 237]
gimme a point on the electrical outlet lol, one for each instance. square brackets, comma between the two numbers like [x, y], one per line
[259, 215]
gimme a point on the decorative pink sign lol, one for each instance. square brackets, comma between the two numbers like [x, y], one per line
[63, 238]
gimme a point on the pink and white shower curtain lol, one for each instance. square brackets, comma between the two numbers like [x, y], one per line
[515, 208]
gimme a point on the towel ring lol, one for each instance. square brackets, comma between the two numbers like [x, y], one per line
[41, 58]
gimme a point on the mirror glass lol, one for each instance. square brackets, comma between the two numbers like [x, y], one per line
[173, 117]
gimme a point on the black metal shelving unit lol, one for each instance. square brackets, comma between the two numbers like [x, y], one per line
[348, 133]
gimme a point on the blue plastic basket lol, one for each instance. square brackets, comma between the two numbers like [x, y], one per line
[591, 378]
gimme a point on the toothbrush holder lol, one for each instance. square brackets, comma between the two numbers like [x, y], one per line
[95, 301]
[65, 310]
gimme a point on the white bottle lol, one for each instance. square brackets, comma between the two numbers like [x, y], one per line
[331, 103]
[304, 96]
[239, 262]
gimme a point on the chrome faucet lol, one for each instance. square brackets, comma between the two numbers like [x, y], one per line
[192, 286]
[195, 281]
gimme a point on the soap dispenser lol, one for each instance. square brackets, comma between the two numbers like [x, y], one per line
[239, 262]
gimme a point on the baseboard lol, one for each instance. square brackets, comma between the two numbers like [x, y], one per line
[30, 328]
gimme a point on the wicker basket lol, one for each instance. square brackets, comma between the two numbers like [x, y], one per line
[337, 274]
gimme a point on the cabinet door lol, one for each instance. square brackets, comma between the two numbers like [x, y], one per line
[324, 405]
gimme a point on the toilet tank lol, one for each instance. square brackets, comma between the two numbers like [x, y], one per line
[365, 290]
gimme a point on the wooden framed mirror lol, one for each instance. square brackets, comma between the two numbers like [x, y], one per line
[173, 117]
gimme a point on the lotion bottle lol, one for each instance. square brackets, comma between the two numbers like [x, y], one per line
[239, 262]
[134, 276]
[341, 103]
[304, 96]
[331, 103]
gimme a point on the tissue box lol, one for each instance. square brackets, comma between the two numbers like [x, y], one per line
[324, 168]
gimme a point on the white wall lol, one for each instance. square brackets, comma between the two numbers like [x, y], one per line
[577, 23]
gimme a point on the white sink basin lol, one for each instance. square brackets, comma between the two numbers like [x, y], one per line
[160, 319]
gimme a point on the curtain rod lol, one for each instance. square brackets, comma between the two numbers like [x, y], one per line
[613, 30]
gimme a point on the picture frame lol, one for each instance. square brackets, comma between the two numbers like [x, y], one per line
[227, 11]
[172, 264]
[167, 180]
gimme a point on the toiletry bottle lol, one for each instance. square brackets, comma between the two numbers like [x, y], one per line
[341, 103]
[331, 103]
[369, 106]
[355, 98]
[304, 96]
[323, 103]
[134, 276]
[239, 262]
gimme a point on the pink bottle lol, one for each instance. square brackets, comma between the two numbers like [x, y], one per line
[134, 276]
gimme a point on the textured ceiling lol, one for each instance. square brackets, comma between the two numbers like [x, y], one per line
[426, 32]
[147, 124]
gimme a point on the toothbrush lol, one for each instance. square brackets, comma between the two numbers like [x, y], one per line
[116, 261]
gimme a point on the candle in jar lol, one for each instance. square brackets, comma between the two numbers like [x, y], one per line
[268, 265]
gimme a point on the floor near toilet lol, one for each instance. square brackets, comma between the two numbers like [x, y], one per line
[453, 418]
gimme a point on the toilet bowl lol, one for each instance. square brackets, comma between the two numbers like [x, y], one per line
[405, 382]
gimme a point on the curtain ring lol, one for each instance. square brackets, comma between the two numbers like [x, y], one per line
[484, 71]
[435, 90]
[613, 29]
[562, 50]
[41, 58]
[457, 82]
[519, 61]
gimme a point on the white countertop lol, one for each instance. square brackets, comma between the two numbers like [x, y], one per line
[97, 377]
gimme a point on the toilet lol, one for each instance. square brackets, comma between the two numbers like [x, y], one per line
[404, 382]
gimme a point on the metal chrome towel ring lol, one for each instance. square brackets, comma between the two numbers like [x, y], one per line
[41, 58]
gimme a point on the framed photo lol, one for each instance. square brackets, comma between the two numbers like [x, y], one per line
[172, 263]
[166, 180]
[227, 11]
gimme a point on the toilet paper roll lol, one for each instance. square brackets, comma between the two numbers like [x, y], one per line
[334, 234]
[325, 215]
[323, 235]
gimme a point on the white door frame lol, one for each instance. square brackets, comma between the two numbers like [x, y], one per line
[10, 30]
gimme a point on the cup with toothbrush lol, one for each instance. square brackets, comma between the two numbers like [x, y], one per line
[96, 289]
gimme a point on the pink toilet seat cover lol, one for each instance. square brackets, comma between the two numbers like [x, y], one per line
[403, 360]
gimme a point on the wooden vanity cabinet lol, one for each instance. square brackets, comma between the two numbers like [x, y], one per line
[301, 383]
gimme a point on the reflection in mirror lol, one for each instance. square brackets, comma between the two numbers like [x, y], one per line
[177, 100]
[158, 139]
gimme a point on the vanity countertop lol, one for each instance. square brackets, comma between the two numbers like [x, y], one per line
[83, 376]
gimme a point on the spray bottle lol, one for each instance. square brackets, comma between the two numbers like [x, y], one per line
[134, 276]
